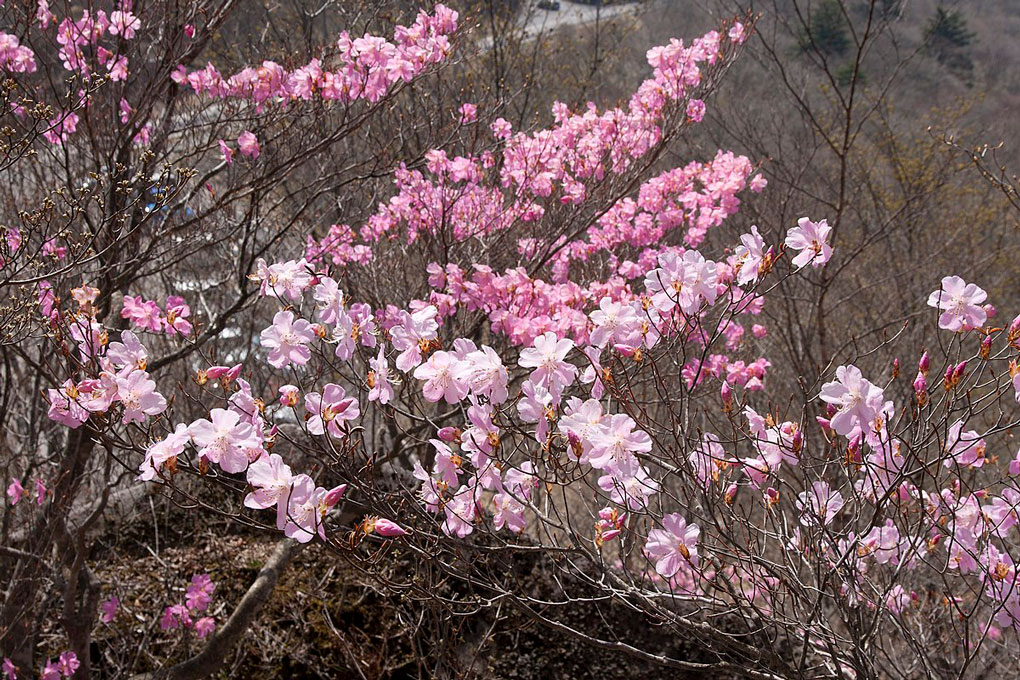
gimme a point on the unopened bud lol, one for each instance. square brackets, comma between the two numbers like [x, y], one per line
[449, 434]
[958, 372]
[986, 347]
[726, 392]
[921, 389]
[388, 529]
[895, 368]
[334, 495]
[924, 364]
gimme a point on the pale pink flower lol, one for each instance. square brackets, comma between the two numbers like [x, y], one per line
[674, 547]
[857, 399]
[328, 411]
[204, 626]
[441, 375]
[380, 388]
[248, 144]
[139, 396]
[269, 477]
[820, 505]
[225, 440]
[960, 303]
[750, 255]
[810, 238]
[287, 340]
[547, 358]
[164, 451]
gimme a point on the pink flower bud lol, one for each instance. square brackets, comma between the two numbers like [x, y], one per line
[830, 410]
[449, 434]
[990, 311]
[606, 514]
[726, 392]
[1014, 329]
[289, 395]
[625, 350]
[189, 30]
[958, 371]
[921, 389]
[924, 364]
[334, 495]
[895, 368]
[986, 347]
[611, 534]
[216, 372]
[232, 373]
[823, 423]
[731, 493]
[385, 527]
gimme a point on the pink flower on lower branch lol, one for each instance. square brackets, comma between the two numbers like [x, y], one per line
[286, 340]
[673, 547]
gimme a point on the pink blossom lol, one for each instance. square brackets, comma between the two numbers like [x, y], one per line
[819, 505]
[380, 387]
[124, 24]
[139, 396]
[65, 407]
[225, 440]
[40, 491]
[960, 303]
[384, 527]
[858, 400]
[468, 113]
[750, 255]
[109, 609]
[441, 375]
[10, 671]
[810, 238]
[15, 491]
[547, 358]
[674, 547]
[68, 664]
[199, 593]
[248, 144]
[328, 411]
[204, 626]
[163, 452]
[228, 153]
[269, 477]
[287, 340]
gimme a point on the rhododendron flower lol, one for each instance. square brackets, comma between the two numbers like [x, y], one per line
[964, 448]
[228, 153]
[287, 340]
[164, 451]
[225, 440]
[270, 477]
[64, 406]
[9, 669]
[468, 113]
[174, 617]
[617, 441]
[177, 313]
[960, 303]
[139, 396]
[283, 279]
[615, 322]
[629, 485]
[810, 238]
[15, 491]
[858, 400]
[298, 514]
[461, 512]
[380, 388]
[413, 334]
[51, 671]
[109, 609]
[484, 373]
[40, 492]
[328, 411]
[128, 352]
[750, 255]
[199, 593]
[440, 373]
[248, 144]
[820, 505]
[673, 547]
[204, 626]
[547, 358]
